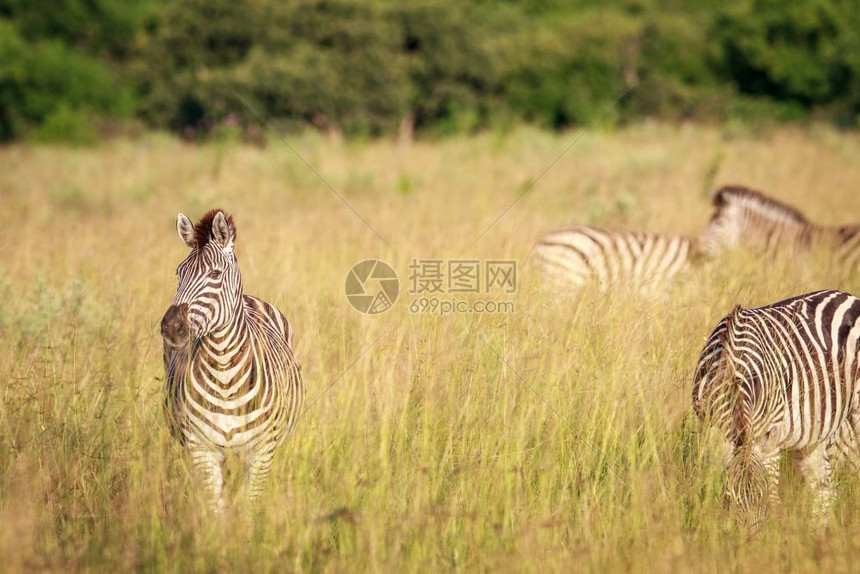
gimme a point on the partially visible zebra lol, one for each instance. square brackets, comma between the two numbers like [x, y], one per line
[748, 218]
[582, 254]
[784, 377]
[233, 384]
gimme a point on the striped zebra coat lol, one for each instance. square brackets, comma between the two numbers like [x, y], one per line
[746, 218]
[642, 262]
[784, 377]
[233, 384]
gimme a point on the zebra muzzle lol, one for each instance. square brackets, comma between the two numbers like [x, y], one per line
[175, 328]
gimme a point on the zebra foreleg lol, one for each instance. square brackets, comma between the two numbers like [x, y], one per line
[259, 465]
[207, 465]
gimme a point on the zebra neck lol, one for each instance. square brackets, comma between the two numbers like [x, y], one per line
[226, 345]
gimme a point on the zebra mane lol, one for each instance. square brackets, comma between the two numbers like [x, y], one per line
[203, 228]
[757, 202]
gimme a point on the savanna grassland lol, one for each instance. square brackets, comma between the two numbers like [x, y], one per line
[421, 450]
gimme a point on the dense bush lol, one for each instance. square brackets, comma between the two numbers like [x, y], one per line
[371, 67]
[806, 53]
[47, 80]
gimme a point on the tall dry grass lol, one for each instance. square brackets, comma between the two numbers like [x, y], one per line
[429, 453]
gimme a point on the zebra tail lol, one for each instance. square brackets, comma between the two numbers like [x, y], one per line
[741, 420]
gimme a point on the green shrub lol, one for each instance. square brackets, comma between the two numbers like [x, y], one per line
[334, 65]
[569, 71]
[67, 125]
[802, 51]
[49, 81]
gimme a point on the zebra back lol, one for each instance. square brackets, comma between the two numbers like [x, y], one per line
[583, 254]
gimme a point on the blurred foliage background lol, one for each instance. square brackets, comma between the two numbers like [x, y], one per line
[75, 70]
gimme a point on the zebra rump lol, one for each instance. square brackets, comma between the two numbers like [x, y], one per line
[783, 378]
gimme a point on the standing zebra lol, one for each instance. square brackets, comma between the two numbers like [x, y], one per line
[641, 261]
[744, 217]
[233, 384]
[783, 378]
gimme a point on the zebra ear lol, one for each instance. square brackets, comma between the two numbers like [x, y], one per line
[185, 229]
[224, 232]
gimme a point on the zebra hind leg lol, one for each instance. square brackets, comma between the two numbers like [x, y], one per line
[846, 450]
[207, 465]
[771, 466]
[817, 470]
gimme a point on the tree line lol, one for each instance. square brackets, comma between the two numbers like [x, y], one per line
[74, 69]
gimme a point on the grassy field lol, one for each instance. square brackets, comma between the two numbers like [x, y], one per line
[429, 453]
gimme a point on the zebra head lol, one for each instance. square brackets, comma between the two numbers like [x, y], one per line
[209, 295]
[745, 217]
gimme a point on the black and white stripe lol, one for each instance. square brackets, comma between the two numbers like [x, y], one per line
[582, 254]
[746, 218]
[783, 378]
[234, 385]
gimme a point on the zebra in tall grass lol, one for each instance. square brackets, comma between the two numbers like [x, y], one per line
[748, 218]
[582, 254]
[784, 377]
[233, 384]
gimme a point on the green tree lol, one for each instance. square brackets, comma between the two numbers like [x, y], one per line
[569, 69]
[803, 51]
[41, 79]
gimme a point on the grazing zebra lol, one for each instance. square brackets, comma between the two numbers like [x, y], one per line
[783, 378]
[233, 384]
[640, 261]
[744, 217]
